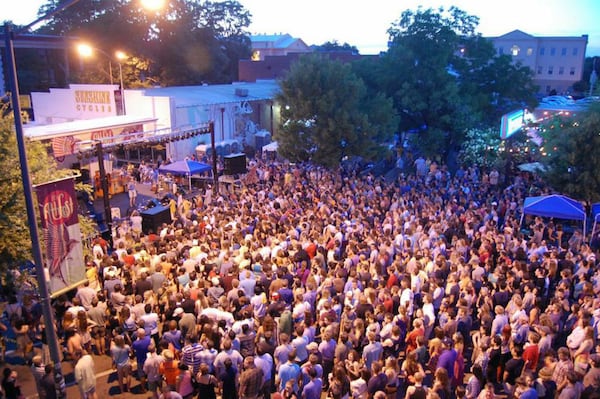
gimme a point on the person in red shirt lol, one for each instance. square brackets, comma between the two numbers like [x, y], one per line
[531, 354]
[411, 338]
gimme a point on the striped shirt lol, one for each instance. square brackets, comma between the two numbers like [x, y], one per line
[189, 356]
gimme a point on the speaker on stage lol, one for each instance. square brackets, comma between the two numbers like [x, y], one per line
[153, 218]
[234, 164]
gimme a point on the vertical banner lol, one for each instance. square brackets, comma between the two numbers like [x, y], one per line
[57, 203]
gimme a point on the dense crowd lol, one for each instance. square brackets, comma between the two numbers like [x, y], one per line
[306, 282]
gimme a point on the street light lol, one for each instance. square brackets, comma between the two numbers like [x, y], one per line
[13, 84]
[85, 50]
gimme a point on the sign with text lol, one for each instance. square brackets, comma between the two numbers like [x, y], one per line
[57, 202]
[511, 123]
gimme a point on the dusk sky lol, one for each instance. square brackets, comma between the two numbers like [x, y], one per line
[364, 24]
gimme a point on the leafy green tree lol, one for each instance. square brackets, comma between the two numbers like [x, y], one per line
[15, 242]
[189, 42]
[491, 84]
[335, 46]
[417, 74]
[326, 114]
[481, 147]
[572, 158]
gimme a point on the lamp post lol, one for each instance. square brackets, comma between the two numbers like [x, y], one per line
[86, 50]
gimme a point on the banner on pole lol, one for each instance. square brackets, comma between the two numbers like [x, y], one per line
[57, 203]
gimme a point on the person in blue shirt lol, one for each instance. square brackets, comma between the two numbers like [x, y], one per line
[313, 389]
[289, 371]
[140, 349]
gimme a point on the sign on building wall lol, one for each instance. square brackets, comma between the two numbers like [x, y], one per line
[67, 144]
[57, 204]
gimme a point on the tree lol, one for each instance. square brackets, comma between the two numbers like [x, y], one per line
[15, 242]
[327, 116]
[416, 73]
[491, 84]
[481, 148]
[335, 46]
[189, 42]
[572, 158]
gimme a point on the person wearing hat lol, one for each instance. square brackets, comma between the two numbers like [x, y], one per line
[545, 386]
[169, 369]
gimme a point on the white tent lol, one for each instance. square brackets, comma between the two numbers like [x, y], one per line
[271, 147]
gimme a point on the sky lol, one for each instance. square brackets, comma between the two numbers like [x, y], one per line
[364, 23]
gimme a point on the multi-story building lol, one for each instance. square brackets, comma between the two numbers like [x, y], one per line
[556, 61]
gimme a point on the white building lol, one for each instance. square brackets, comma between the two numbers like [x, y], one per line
[556, 61]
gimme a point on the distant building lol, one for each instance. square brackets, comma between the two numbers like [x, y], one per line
[283, 44]
[556, 61]
[274, 67]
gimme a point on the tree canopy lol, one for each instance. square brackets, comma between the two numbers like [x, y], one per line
[444, 78]
[326, 114]
[188, 42]
[572, 158]
[15, 242]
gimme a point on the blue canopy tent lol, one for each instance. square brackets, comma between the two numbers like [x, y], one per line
[595, 216]
[554, 206]
[186, 167]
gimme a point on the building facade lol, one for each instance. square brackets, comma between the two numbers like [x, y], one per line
[269, 45]
[556, 61]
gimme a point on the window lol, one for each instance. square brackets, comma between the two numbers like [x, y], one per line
[563, 51]
[542, 50]
[552, 51]
[550, 70]
[529, 51]
[561, 70]
[540, 69]
[572, 71]
[575, 50]
[514, 50]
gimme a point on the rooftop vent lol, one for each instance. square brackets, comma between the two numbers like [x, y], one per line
[241, 92]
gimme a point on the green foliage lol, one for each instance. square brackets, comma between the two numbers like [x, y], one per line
[572, 158]
[189, 42]
[15, 242]
[326, 114]
[416, 74]
[444, 78]
[481, 147]
[335, 46]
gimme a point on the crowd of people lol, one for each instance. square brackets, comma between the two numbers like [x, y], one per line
[308, 282]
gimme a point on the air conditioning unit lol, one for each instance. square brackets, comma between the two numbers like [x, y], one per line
[240, 92]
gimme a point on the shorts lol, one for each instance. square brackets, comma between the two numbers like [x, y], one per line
[140, 371]
[153, 386]
[89, 392]
[98, 331]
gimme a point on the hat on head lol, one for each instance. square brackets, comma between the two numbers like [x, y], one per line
[215, 281]
[447, 341]
[312, 346]
[178, 312]
[545, 373]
